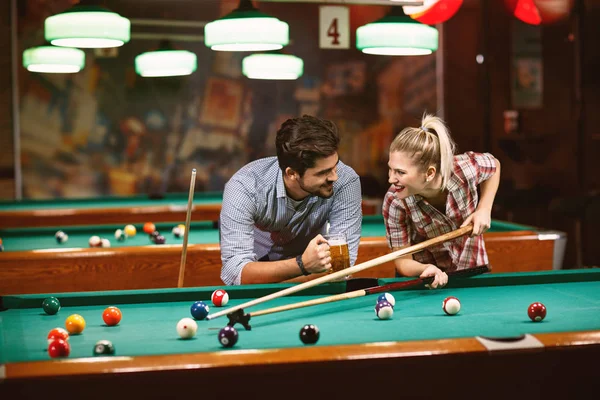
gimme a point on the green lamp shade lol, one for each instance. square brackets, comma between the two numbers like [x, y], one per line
[272, 66]
[397, 36]
[53, 59]
[87, 27]
[166, 63]
[246, 31]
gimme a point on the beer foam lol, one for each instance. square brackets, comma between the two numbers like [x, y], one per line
[336, 242]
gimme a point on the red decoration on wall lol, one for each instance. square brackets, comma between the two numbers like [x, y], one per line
[433, 11]
[540, 12]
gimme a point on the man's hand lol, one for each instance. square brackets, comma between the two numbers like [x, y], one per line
[481, 220]
[317, 257]
[440, 280]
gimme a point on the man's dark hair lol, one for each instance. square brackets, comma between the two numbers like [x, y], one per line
[302, 141]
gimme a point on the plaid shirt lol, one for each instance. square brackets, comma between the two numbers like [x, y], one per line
[414, 220]
[259, 221]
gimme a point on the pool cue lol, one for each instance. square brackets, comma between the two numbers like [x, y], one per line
[239, 317]
[187, 229]
[349, 271]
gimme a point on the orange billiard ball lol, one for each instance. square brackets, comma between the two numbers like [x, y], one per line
[75, 324]
[149, 227]
[112, 316]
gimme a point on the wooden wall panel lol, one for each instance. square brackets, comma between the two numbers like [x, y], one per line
[7, 189]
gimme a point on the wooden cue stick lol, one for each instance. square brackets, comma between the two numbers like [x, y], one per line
[390, 287]
[349, 271]
[187, 229]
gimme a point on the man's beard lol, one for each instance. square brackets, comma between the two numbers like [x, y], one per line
[318, 191]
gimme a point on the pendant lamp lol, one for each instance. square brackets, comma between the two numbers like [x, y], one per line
[51, 59]
[166, 61]
[273, 66]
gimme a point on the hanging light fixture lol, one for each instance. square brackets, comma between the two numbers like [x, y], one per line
[87, 27]
[53, 59]
[246, 29]
[272, 66]
[166, 61]
[397, 34]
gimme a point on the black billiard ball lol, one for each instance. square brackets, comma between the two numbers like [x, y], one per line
[309, 334]
[160, 239]
[228, 336]
[104, 348]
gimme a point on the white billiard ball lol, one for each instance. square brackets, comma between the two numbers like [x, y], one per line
[451, 305]
[187, 328]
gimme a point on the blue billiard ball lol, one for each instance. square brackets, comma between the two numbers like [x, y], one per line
[199, 310]
[228, 336]
[387, 297]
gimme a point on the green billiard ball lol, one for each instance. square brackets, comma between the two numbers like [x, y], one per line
[51, 305]
[104, 348]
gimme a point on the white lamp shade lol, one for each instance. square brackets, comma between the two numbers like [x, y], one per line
[52, 59]
[396, 37]
[272, 66]
[87, 27]
[166, 63]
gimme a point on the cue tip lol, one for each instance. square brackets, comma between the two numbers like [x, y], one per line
[194, 170]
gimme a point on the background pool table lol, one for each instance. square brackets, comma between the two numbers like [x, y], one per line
[34, 263]
[169, 207]
[420, 351]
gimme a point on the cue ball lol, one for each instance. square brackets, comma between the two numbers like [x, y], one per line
[187, 328]
[75, 324]
[104, 348]
[219, 298]
[228, 336]
[309, 334]
[105, 243]
[451, 305]
[199, 310]
[384, 310]
[59, 348]
[387, 297]
[112, 316]
[51, 305]
[536, 311]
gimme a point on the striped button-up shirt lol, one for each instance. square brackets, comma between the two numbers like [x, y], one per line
[259, 221]
[413, 220]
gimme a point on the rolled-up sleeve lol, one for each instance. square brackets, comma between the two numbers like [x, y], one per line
[346, 214]
[483, 164]
[394, 216]
[236, 231]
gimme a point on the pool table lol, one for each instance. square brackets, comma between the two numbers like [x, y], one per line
[33, 262]
[490, 349]
[169, 207]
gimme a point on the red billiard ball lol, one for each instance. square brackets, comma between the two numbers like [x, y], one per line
[59, 348]
[112, 316]
[536, 311]
[58, 333]
[219, 298]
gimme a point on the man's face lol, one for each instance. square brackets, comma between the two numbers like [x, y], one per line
[319, 179]
[407, 177]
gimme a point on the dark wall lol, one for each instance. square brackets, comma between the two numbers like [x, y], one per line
[7, 185]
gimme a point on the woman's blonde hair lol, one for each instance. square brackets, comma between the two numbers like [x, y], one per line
[429, 144]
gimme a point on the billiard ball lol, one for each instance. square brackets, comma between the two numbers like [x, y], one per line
[451, 305]
[199, 310]
[59, 348]
[228, 336]
[61, 237]
[95, 241]
[120, 235]
[387, 297]
[536, 311]
[1, 246]
[130, 230]
[187, 328]
[149, 227]
[178, 232]
[104, 348]
[219, 298]
[112, 316]
[160, 239]
[75, 324]
[153, 235]
[384, 310]
[105, 243]
[51, 305]
[58, 333]
[309, 334]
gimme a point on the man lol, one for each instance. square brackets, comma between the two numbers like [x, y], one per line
[276, 209]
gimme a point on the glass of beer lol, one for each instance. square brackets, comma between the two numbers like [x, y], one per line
[338, 247]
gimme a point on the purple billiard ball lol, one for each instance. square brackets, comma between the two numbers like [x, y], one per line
[160, 239]
[384, 310]
[228, 336]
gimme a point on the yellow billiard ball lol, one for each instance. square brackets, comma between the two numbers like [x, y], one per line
[130, 230]
[75, 324]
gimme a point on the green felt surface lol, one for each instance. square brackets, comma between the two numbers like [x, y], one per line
[25, 239]
[167, 199]
[492, 305]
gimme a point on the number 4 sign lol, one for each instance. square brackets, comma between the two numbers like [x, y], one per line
[334, 27]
